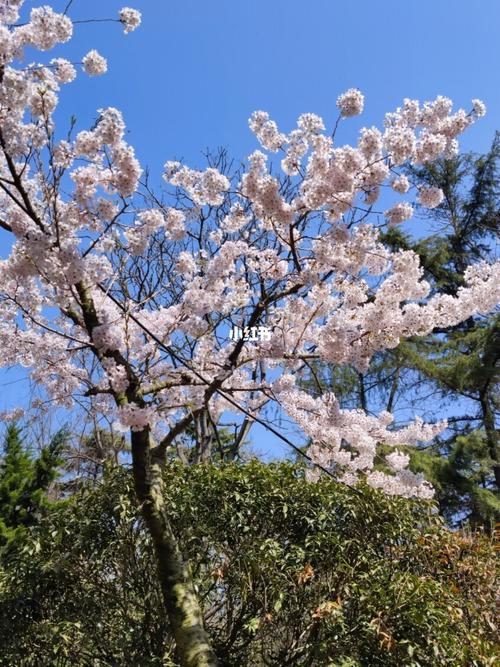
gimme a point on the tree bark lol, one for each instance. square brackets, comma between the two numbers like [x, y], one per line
[491, 437]
[490, 365]
[181, 603]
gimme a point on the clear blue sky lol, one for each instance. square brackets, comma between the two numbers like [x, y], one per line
[195, 70]
[190, 76]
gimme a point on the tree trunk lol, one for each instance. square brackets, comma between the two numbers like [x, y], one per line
[490, 365]
[491, 436]
[181, 603]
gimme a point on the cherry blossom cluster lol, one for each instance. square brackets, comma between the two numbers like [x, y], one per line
[336, 178]
[399, 213]
[135, 417]
[345, 442]
[124, 298]
[430, 197]
[204, 188]
[130, 18]
[94, 64]
[351, 103]
[148, 222]
[116, 374]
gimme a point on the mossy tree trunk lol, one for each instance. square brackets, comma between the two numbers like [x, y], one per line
[181, 603]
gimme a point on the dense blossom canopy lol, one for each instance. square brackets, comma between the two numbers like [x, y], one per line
[114, 296]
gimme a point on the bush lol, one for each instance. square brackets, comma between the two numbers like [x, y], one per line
[288, 573]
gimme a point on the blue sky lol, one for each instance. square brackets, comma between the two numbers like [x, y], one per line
[189, 78]
[192, 74]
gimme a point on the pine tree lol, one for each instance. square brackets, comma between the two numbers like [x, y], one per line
[462, 361]
[24, 482]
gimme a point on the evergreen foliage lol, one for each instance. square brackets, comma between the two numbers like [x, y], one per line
[289, 573]
[24, 482]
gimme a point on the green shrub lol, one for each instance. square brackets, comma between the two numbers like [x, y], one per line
[288, 572]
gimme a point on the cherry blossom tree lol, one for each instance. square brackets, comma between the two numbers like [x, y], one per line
[121, 300]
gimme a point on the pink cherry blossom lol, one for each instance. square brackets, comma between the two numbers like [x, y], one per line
[94, 64]
[123, 298]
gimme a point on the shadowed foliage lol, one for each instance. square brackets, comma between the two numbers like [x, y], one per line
[288, 573]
